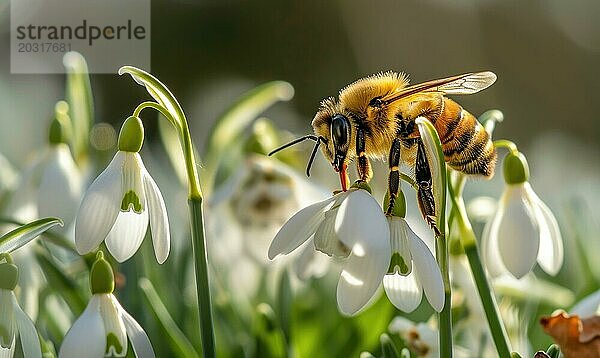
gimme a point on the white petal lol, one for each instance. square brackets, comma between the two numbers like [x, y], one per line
[360, 219]
[159, 222]
[399, 241]
[589, 306]
[298, 228]
[550, 255]
[60, 185]
[127, 234]
[326, 240]
[489, 245]
[139, 340]
[361, 226]
[29, 337]
[405, 292]
[310, 263]
[8, 352]
[518, 236]
[132, 174]
[113, 326]
[7, 319]
[87, 337]
[428, 273]
[99, 207]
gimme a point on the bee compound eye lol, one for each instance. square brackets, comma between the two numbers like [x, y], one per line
[340, 127]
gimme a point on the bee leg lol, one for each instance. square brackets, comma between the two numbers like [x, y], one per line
[362, 164]
[394, 176]
[425, 192]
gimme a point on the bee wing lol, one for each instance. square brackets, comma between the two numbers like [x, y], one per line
[467, 83]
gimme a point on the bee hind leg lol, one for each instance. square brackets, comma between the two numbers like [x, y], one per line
[425, 192]
[363, 167]
[394, 176]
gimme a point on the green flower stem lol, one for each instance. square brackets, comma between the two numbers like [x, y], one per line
[469, 243]
[202, 288]
[512, 147]
[197, 227]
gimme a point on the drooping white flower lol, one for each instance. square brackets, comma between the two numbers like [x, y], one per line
[523, 230]
[60, 185]
[118, 206]
[14, 323]
[104, 328]
[349, 226]
[414, 270]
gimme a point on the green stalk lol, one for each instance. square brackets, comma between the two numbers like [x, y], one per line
[202, 287]
[197, 225]
[469, 243]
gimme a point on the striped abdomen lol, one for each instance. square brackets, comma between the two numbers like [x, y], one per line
[467, 146]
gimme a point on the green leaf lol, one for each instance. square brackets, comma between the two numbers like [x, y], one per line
[230, 126]
[23, 234]
[388, 347]
[81, 102]
[177, 339]
[157, 90]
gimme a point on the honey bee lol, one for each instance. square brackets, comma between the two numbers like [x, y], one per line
[374, 117]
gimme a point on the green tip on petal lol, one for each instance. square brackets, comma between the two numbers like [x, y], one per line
[131, 199]
[131, 136]
[516, 169]
[515, 355]
[102, 279]
[398, 261]
[9, 273]
[113, 342]
[359, 184]
[399, 208]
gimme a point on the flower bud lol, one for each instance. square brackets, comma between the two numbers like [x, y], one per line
[131, 136]
[102, 279]
[516, 169]
[9, 273]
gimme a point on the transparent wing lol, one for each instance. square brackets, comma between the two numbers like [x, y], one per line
[467, 83]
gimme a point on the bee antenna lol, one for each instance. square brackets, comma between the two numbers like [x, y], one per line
[295, 141]
[312, 155]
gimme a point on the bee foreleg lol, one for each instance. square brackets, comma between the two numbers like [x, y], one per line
[394, 176]
[425, 192]
[362, 163]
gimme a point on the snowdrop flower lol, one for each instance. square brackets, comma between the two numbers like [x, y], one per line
[420, 338]
[14, 323]
[523, 230]
[104, 327]
[121, 201]
[413, 268]
[60, 186]
[349, 226]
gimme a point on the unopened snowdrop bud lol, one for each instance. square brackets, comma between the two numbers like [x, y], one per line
[131, 136]
[523, 230]
[516, 169]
